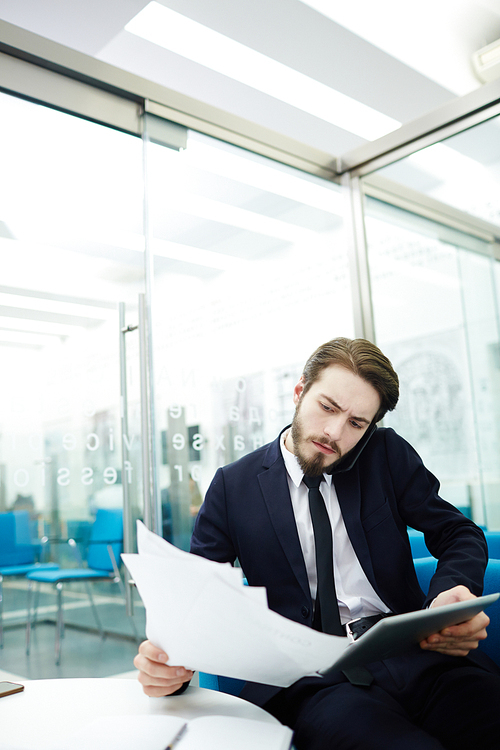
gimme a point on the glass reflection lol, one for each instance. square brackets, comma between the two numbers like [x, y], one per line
[250, 271]
[71, 243]
[463, 171]
[435, 296]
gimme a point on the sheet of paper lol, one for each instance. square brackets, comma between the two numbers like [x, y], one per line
[230, 733]
[205, 619]
[147, 732]
[152, 732]
[203, 616]
[150, 543]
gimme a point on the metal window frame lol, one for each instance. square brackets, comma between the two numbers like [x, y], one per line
[34, 67]
[452, 118]
[49, 57]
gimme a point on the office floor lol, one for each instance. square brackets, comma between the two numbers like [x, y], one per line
[84, 653]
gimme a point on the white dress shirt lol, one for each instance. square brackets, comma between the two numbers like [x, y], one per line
[355, 594]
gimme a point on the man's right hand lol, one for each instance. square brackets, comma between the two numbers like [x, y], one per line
[156, 677]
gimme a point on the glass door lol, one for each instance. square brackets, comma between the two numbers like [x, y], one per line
[433, 257]
[250, 276]
[72, 249]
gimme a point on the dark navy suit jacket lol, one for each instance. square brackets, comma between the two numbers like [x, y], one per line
[382, 489]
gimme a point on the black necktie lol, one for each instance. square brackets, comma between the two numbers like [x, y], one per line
[326, 594]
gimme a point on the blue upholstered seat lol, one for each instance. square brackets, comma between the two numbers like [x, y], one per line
[222, 684]
[493, 539]
[425, 568]
[419, 548]
[417, 544]
[17, 552]
[104, 549]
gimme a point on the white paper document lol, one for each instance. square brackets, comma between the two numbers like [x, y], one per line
[200, 613]
[159, 732]
[205, 619]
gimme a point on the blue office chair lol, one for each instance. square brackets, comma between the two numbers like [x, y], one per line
[417, 544]
[419, 548]
[222, 684]
[426, 567]
[104, 549]
[493, 539]
[17, 552]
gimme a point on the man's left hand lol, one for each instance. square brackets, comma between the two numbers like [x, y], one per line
[457, 640]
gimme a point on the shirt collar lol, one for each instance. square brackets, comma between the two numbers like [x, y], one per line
[292, 465]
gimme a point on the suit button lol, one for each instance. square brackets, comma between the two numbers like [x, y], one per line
[305, 612]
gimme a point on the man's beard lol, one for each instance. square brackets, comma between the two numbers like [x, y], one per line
[315, 466]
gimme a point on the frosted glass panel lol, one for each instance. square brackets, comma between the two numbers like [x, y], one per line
[72, 248]
[435, 310]
[251, 275]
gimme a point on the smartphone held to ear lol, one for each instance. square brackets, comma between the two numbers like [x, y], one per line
[8, 688]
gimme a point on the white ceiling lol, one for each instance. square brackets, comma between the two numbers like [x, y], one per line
[402, 59]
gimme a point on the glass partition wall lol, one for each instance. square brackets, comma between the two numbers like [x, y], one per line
[250, 276]
[233, 268]
[433, 252]
[71, 240]
[243, 270]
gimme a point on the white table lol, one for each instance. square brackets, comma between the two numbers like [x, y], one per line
[53, 709]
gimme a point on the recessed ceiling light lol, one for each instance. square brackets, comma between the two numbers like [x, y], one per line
[190, 39]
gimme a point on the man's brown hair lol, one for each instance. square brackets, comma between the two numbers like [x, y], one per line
[363, 359]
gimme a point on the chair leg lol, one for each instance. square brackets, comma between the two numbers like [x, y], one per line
[35, 606]
[130, 617]
[120, 583]
[60, 623]
[94, 609]
[28, 621]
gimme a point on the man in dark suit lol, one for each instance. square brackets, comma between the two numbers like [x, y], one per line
[440, 694]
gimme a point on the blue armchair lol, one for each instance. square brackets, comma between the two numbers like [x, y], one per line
[104, 548]
[417, 544]
[223, 684]
[419, 548]
[17, 552]
[425, 568]
[493, 539]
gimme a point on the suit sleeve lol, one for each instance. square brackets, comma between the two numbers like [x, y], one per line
[457, 542]
[211, 537]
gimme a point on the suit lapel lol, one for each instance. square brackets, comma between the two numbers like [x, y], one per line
[274, 485]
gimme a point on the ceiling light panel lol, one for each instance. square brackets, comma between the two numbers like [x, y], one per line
[26, 339]
[35, 326]
[202, 45]
[50, 306]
